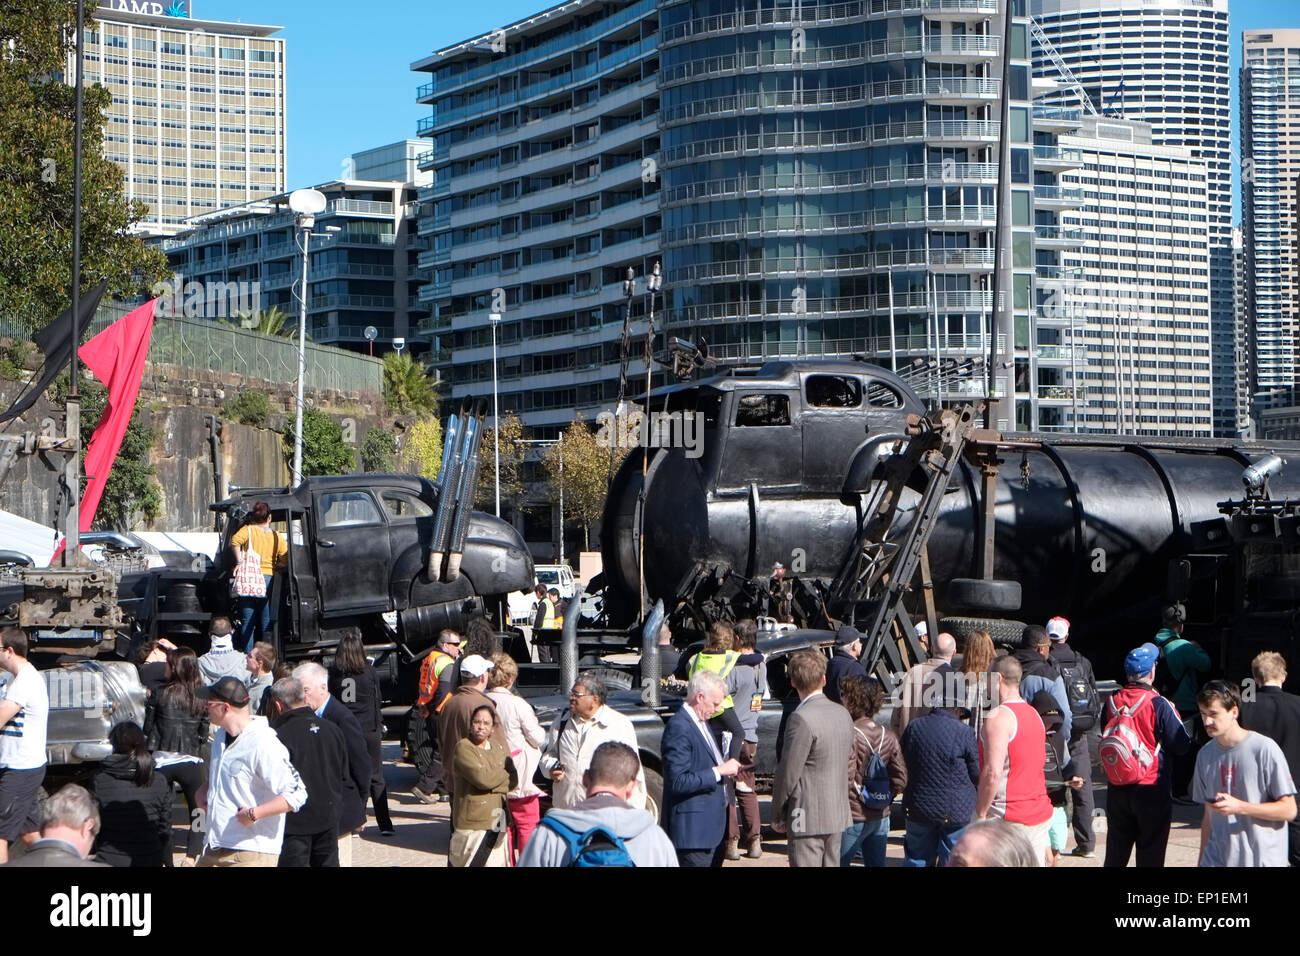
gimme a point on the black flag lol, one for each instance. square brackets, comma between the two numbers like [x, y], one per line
[55, 340]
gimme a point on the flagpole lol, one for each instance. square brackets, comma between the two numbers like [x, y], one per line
[72, 470]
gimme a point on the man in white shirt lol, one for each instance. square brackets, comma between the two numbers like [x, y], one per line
[251, 783]
[573, 738]
[24, 711]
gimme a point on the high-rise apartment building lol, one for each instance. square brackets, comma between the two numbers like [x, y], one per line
[1163, 62]
[1137, 354]
[197, 118]
[544, 137]
[1270, 144]
[830, 175]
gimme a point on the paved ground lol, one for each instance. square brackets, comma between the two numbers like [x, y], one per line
[422, 831]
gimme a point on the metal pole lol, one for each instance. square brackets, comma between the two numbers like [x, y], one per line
[561, 444]
[1003, 316]
[496, 427]
[893, 337]
[72, 471]
[305, 228]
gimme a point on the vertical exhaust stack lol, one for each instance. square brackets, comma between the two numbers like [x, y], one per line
[465, 496]
[569, 642]
[649, 654]
[448, 479]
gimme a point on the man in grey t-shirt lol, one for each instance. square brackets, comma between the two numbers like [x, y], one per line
[1243, 779]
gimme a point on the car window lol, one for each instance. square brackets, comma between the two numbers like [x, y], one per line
[880, 395]
[762, 410]
[404, 507]
[342, 509]
[833, 391]
[548, 577]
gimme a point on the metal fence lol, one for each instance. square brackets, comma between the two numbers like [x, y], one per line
[204, 345]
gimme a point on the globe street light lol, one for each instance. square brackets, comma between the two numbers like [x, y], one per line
[305, 203]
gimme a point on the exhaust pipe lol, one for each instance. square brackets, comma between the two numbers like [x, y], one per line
[465, 496]
[569, 642]
[448, 479]
[650, 655]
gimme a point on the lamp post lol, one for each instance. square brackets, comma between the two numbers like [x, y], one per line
[493, 319]
[305, 203]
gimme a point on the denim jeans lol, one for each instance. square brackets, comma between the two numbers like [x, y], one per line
[923, 841]
[255, 618]
[871, 837]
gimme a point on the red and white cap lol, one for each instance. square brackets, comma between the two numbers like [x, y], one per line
[1058, 628]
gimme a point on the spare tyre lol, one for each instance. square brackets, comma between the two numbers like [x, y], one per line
[1005, 633]
[978, 594]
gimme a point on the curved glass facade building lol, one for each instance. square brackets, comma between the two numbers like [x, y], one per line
[828, 175]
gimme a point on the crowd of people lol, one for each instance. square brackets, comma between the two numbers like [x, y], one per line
[990, 752]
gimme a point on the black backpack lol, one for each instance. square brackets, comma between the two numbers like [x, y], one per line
[1081, 692]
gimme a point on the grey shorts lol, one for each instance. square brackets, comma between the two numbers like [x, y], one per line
[20, 794]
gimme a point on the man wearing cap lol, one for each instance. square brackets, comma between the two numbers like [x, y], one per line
[1085, 705]
[1140, 813]
[1185, 663]
[458, 713]
[844, 662]
[251, 783]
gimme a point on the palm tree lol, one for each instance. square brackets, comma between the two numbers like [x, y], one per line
[408, 390]
[273, 321]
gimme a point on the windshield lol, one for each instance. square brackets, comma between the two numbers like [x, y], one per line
[548, 577]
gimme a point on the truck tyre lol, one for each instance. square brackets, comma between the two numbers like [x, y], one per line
[654, 789]
[977, 594]
[613, 678]
[1004, 632]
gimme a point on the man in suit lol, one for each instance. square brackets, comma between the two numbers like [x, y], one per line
[320, 755]
[1276, 714]
[315, 688]
[695, 797]
[810, 796]
[69, 823]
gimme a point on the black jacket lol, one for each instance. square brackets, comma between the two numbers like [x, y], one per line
[842, 664]
[361, 697]
[177, 729]
[319, 754]
[1276, 714]
[357, 786]
[135, 820]
[943, 769]
[52, 853]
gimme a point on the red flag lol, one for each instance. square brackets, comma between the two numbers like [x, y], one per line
[116, 357]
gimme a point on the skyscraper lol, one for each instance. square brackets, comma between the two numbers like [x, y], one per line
[1270, 144]
[1164, 62]
[197, 118]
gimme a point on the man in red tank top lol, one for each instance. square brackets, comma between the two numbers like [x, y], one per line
[1012, 742]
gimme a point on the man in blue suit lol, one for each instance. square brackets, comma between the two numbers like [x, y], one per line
[695, 795]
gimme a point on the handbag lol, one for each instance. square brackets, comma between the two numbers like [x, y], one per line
[249, 582]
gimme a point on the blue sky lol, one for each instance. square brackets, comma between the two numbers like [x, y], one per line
[351, 86]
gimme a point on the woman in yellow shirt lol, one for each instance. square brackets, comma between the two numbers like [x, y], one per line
[259, 536]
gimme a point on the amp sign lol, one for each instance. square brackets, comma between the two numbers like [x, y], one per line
[172, 8]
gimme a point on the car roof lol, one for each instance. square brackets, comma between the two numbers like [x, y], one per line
[296, 499]
[787, 374]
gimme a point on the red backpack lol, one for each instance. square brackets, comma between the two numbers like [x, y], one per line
[1124, 754]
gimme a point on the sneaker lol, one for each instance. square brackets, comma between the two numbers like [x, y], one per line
[386, 831]
[1084, 854]
[424, 797]
[755, 849]
[744, 787]
[733, 850]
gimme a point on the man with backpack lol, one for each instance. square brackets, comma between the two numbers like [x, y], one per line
[1085, 707]
[1141, 729]
[604, 829]
[1185, 663]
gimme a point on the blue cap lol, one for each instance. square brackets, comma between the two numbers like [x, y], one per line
[1141, 660]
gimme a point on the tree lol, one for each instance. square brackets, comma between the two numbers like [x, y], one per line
[377, 451]
[249, 406]
[423, 450]
[273, 321]
[408, 389]
[512, 464]
[36, 177]
[580, 464]
[323, 450]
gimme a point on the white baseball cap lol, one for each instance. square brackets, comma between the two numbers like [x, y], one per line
[1058, 628]
[475, 666]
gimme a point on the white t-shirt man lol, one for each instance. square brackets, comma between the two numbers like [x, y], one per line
[22, 740]
[252, 770]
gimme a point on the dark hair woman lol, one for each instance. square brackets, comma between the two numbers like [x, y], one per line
[862, 697]
[483, 778]
[135, 803]
[180, 736]
[353, 681]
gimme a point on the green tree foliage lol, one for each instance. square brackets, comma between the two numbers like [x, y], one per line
[581, 466]
[408, 389]
[512, 465]
[323, 449]
[378, 451]
[249, 407]
[423, 449]
[273, 321]
[36, 177]
[132, 491]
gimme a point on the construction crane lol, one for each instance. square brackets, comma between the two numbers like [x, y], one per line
[1070, 80]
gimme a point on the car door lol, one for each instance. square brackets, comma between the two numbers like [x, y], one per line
[762, 447]
[353, 553]
[833, 427]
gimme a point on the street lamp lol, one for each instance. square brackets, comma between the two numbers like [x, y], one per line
[305, 203]
[493, 319]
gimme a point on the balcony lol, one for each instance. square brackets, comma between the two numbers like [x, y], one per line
[1063, 394]
[962, 258]
[1061, 197]
[961, 131]
[1048, 273]
[1061, 353]
[1058, 157]
[937, 89]
[1064, 119]
[1058, 237]
[352, 302]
